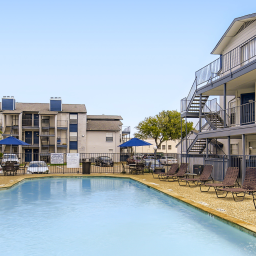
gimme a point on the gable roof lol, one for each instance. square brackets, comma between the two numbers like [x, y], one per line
[43, 108]
[232, 30]
[103, 125]
[103, 117]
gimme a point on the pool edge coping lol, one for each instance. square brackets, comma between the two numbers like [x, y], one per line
[240, 224]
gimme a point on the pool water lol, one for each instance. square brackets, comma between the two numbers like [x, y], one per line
[109, 216]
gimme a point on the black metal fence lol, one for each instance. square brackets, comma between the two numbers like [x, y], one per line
[119, 162]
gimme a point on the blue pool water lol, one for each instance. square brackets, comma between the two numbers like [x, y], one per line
[109, 216]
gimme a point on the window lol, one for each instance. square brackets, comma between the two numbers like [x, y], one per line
[169, 147]
[109, 137]
[73, 145]
[234, 149]
[73, 127]
[158, 147]
[163, 146]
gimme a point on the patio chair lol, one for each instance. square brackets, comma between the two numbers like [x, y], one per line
[140, 168]
[156, 171]
[204, 177]
[172, 171]
[9, 167]
[249, 186]
[230, 180]
[179, 174]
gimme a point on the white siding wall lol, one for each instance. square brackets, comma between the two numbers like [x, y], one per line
[241, 37]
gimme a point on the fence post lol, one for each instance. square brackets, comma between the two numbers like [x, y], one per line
[223, 167]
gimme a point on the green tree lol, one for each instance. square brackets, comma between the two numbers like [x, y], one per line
[164, 126]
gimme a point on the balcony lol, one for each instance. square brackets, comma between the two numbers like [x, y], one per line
[236, 59]
[61, 142]
[62, 124]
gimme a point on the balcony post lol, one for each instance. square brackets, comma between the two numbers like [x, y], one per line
[229, 152]
[207, 141]
[200, 113]
[225, 103]
[186, 141]
[181, 138]
[243, 159]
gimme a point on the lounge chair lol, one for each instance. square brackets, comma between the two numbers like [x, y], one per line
[249, 186]
[230, 180]
[173, 169]
[179, 174]
[204, 177]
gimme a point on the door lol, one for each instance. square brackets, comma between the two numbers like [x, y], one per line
[28, 137]
[36, 138]
[35, 155]
[247, 109]
[28, 155]
[36, 120]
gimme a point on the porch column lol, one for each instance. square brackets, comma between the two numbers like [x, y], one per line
[181, 136]
[186, 141]
[200, 113]
[229, 164]
[207, 141]
[225, 103]
[243, 159]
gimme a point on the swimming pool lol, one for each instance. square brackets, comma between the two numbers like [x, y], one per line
[109, 216]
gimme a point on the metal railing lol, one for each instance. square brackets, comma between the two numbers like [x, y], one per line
[224, 65]
[236, 58]
[62, 123]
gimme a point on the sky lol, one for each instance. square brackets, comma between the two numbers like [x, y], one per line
[131, 58]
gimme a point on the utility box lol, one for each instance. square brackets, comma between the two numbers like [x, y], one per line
[86, 167]
[197, 169]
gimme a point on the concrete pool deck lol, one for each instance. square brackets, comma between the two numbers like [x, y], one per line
[241, 214]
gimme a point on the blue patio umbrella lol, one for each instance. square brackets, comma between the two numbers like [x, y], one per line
[134, 142]
[12, 141]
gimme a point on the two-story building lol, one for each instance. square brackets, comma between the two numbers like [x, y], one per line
[226, 125]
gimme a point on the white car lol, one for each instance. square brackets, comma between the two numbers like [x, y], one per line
[37, 167]
[10, 158]
[168, 160]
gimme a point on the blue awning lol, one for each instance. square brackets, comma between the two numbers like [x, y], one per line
[13, 141]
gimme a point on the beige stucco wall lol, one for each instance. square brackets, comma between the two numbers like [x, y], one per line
[96, 142]
[81, 132]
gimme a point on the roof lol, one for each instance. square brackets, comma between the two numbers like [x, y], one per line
[104, 117]
[43, 108]
[231, 32]
[103, 125]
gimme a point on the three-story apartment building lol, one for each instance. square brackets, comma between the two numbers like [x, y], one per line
[47, 127]
[226, 126]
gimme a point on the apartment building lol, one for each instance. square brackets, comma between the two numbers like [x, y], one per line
[48, 127]
[226, 124]
[104, 133]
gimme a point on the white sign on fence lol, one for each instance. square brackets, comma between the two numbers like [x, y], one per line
[57, 158]
[72, 160]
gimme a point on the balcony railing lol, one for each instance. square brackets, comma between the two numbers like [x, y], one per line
[237, 57]
[62, 123]
[232, 60]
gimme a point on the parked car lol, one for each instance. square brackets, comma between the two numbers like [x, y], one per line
[37, 167]
[104, 161]
[10, 158]
[153, 161]
[168, 160]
